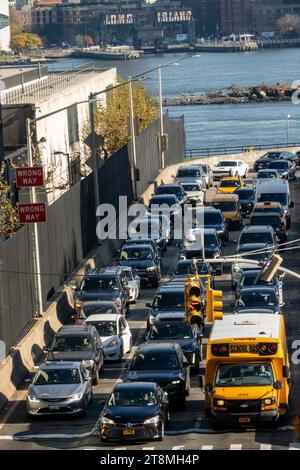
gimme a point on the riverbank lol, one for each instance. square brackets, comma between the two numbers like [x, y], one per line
[236, 95]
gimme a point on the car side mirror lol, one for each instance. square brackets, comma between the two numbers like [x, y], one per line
[291, 204]
[209, 389]
[45, 349]
[277, 385]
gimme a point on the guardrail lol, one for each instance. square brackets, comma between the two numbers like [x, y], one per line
[214, 151]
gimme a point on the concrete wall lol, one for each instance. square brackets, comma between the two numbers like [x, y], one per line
[55, 128]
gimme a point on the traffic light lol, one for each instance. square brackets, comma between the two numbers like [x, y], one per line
[214, 304]
[192, 300]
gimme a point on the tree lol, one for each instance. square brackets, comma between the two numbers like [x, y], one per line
[112, 119]
[17, 21]
[289, 25]
[26, 41]
[9, 218]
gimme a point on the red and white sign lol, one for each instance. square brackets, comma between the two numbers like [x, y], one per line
[29, 177]
[32, 212]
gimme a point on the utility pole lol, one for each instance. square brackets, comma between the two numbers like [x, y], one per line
[35, 233]
[161, 119]
[94, 151]
[133, 141]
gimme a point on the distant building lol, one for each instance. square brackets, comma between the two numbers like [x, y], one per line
[206, 14]
[4, 26]
[266, 13]
[236, 16]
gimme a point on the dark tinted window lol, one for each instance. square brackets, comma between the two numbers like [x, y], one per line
[155, 360]
[99, 283]
[245, 194]
[57, 377]
[171, 330]
[169, 300]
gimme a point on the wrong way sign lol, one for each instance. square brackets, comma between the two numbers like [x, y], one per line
[29, 177]
[32, 212]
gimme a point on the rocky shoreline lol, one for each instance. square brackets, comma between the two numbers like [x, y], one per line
[236, 95]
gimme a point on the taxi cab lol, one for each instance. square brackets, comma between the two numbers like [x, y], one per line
[229, 205]
[270, 206]
[229, 184]
[247, 377]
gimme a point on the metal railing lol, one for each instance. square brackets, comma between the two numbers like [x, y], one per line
[52, 83]
[215, 151]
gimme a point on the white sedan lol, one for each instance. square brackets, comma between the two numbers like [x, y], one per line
[115, 334]
[133, 283]
[230, 168]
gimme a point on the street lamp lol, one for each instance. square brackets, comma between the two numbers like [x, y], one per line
[287, 119]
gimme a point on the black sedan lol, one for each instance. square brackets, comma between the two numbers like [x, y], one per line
[246, 197]
[136, 411]
[165, 364]
[143, 260]
[265, 160]
[285, 169]
[189, 337]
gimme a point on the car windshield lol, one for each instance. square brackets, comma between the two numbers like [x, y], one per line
[245, 194]
[89, 310]
[273, 197]
[191, 187]
[105, 327]
[225, 206]
[132, 398]
[266, 174]
[169, 300]
[256, 237]
[244, 375]
[154, 360]
[279, 165]
[57, 377]
[271, 155]
[71, 343]
[99, 283]
[213, 218]
[250, 276]
[266, 219]
[260, 256]
[169, 190]
[267, 209]
[136, 254]
[188, 173]
[230, 184]
[227, 163]
[182, 268]
[168, 200]
[256, 299]
[170, 330]
[128, 275]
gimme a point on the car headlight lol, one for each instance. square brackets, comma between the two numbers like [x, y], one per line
[154, 420]
[105, 420]
[33, 398]
[77, 304]
[76, 397]
[151, 268]
[268, 401]
[118, 302]
[88, 364]
[113, 342]
[175, 382]
[219, 402]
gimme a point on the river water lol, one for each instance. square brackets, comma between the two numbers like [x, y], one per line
[222, 125]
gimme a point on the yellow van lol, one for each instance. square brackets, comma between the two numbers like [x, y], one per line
[229, 205]
[247, 370]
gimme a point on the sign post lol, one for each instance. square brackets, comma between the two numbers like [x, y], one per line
[26, 209]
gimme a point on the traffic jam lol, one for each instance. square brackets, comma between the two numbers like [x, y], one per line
[238, 358]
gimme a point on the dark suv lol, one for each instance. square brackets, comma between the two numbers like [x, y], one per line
[143, 260]
[78, 344]
[209, 217]
[173, 189]
[169, 298]
[103, 284]
[165, 364]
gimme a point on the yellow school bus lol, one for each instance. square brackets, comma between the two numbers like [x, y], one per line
[247, 370]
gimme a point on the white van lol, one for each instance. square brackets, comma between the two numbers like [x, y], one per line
[275, 190]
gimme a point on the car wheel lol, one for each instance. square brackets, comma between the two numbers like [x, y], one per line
[85, 408]
[121, 353]
[162, 432]
[95, 378]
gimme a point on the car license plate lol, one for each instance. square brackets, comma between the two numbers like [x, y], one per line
[128, 432]
[54, 408]
[244, 420]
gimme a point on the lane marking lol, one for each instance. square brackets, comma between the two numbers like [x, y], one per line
[120, 448]
[235, 447]
[148, 448]
[178, 447]
[265, 447]
[206, 447]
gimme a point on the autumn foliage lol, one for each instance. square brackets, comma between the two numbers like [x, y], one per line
[26, 41]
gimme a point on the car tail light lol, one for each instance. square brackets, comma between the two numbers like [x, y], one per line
[266, 349]
[221, 349]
